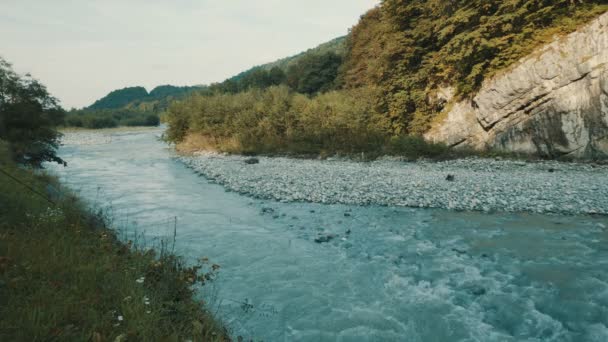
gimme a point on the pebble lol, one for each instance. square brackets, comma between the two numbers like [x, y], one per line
[487, 185]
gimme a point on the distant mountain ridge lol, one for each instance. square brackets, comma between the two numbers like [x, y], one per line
[135, 96]
[160, 97]
[337, 46]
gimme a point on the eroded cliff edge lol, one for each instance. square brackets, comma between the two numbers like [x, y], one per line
[552, 103]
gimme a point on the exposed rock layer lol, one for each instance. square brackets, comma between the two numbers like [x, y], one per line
[552, 103]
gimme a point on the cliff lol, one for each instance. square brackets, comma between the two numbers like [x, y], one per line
[552, 103]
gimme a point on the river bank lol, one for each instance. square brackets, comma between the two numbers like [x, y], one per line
[64, 275]
[473, 184]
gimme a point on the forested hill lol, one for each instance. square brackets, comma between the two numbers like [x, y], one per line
[131, 106]
[308, 72]
[380, 86]
[336, 46]
[410, 49]
[135, 96]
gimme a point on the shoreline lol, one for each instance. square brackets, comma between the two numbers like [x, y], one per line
[480, 184]
[486, 185]
[148, 293]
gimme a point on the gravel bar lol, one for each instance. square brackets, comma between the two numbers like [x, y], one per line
[465, 184]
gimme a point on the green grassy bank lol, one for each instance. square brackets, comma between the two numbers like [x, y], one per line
[64, 276]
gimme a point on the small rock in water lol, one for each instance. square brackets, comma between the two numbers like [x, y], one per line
[450, 178]
[348, 232]
[251, 161]
[478, 291]
[347, 215]
[324, 238]
[551, 170]
[267, 210]
[459, 251]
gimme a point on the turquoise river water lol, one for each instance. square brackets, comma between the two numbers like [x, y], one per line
[392, 274]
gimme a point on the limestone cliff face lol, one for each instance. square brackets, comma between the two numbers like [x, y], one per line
[552, 103]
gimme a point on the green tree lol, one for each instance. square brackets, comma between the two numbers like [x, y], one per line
[314, 73]
[28, 117]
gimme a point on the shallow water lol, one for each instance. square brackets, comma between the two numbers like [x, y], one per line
[400, 274]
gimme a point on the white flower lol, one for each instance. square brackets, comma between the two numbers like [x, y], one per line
[141, 280]
[120, 318]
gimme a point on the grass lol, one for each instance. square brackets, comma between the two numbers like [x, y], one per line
[65, 276]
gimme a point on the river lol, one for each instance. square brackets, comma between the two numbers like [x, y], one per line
[391, 274]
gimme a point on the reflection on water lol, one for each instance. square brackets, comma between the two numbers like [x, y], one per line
[391, 274]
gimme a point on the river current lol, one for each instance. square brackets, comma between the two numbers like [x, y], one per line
[390, 274]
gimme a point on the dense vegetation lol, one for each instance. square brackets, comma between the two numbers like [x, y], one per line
[120, 98]
[378, 86]
[28, 115]
[309, 74]
[65, 277]
[278, 120]
[288, 70]
[411, 48]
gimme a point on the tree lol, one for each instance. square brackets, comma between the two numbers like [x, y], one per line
[314, 73]
[28, 117]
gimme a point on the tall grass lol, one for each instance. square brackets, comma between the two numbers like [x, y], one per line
[65, 276]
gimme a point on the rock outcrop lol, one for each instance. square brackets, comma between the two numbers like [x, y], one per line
[552, 103]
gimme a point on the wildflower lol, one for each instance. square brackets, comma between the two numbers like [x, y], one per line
[146, 300]
[141, 280]
[120, 318]
[148, 312]
[128, 298]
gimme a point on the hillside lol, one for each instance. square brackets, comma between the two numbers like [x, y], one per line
[131, 106]
[551, 103]
[308, 72]
[398, 73]
[337, 46]
[135, 96]
[411, 49]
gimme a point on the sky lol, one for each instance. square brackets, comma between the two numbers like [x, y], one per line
[83, 49]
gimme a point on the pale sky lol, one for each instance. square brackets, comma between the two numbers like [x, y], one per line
[83, 49]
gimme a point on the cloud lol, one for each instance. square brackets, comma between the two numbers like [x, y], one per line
[82, 49]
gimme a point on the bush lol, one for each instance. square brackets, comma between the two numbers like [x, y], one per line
[277, 120]
[28, 117]
[415, 147]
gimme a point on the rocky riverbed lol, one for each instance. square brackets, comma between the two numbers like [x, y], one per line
[465, 184]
